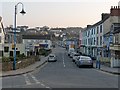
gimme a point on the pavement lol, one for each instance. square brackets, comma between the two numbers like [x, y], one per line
[43, 61]
[24, 70]
[108, 69]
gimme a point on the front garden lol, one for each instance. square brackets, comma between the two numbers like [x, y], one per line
[22, 61]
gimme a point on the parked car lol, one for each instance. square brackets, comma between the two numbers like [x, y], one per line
[75, 56]
[51, 58]
[84, 61]
[70, 51]
[72, 54]
[53, 46]
[92, 57]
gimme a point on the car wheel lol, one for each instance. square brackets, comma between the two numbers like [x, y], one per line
[75, 62]
[79, 66]
[91, 66]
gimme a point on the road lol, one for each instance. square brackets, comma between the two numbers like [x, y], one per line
[62, 74]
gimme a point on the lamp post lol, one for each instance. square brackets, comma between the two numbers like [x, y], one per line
[22, 12]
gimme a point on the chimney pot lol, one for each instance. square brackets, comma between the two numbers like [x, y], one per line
[104, 15]
[115, 11]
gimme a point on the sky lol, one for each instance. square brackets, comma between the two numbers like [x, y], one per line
[55, 13]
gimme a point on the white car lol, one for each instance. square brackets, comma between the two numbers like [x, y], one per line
[70, 51]
[51, 58]
[84, 61]
[75, 56]
[72, 54]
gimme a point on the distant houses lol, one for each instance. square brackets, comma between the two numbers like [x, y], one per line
[28, 41]
[33, 42]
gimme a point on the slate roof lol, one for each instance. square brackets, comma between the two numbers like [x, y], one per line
[117, 30]
[99, 22]
[36, 37]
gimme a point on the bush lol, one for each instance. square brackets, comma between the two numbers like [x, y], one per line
[12, 58]
[8, 59]
[44, 52]
[21, 56]
[5, 59]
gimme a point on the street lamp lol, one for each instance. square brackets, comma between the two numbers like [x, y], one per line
[22, 12]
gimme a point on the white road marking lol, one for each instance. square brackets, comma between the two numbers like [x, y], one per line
[27, 79]
[63, 60]
[47, 87]
[42, 84]
[34, 78]
[40, 68]
[37, 82]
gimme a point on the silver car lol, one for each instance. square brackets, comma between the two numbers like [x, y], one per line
[51, 58]
[72, 54]
[84, 61]
[75, 56]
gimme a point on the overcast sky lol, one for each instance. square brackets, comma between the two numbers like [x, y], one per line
[56, 13]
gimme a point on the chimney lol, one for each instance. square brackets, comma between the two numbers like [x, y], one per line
[104, 15]
[115, 11]
[89, 26]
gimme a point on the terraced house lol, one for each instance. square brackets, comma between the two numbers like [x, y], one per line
[93, 40]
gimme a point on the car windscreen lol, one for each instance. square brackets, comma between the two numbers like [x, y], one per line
[72, 50]
[51, 56]
[85, 58]
[76, 55]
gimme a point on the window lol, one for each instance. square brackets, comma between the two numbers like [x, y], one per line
[29, 40]
[100, 40]
[97, 30]
[116, 39]
[94, 31]
[100, 28]
[94, 40]
[1, 53]
[97, 40]
[6, 49]
[11, 53]
[88, 33]
[86, 41]
[17, 53]
[91, 41]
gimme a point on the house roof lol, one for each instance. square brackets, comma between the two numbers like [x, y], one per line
[99, 22]
[117, 30]
[36, 37]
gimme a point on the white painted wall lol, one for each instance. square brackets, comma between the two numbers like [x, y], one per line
[20, 47]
